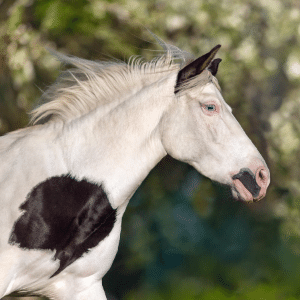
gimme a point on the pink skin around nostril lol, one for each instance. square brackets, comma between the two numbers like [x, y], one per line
[263, 180]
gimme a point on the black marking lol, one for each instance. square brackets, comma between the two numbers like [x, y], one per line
[213, 67]
[196, 67]
[65, 215]
[247, 178]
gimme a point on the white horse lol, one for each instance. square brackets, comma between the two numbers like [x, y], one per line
[66, 180]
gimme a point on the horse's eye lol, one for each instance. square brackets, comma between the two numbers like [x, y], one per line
[210, 107]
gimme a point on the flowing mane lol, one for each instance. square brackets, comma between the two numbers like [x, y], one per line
[90, 84]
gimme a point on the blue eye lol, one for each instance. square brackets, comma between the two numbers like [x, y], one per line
[210, 107]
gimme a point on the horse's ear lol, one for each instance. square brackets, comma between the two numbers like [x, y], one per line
[196, 67]
[213, 67]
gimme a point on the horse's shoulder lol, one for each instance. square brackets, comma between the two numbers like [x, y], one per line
[66, 215]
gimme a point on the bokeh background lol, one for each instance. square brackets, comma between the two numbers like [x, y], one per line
[183, 236]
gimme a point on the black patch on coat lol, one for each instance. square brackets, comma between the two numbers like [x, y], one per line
[64, 215]
[247, 178]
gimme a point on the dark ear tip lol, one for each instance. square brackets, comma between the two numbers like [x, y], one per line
[216, 47]
[213, 68]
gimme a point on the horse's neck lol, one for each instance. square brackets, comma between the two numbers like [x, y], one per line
[121, 147]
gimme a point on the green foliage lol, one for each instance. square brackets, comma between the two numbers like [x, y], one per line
[184, 237]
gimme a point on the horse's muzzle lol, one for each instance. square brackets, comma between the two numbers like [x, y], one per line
[250, 186]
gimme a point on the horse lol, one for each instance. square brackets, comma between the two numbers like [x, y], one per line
[66, 179]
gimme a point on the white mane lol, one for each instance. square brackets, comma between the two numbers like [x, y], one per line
[89, 84]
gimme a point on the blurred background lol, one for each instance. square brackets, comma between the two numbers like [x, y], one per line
[183, 236]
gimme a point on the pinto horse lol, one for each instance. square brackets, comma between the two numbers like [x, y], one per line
[65, 181]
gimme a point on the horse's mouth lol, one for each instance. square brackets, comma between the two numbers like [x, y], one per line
[241, 192]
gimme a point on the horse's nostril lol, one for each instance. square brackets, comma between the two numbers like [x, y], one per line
[262, 175]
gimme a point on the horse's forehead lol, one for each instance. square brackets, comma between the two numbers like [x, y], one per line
[210, 88]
